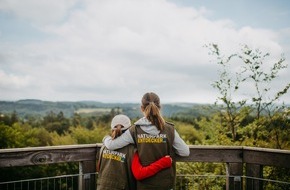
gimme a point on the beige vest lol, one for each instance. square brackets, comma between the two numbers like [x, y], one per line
[115, 169]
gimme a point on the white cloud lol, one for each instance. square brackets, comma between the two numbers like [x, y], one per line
[8, 81]
[117, 50]
[38, 11]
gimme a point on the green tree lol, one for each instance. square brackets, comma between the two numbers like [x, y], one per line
[252, 70]
[255, 70]
[63, 139]
[227, 85]
[76, 120]
[23, 135]
[14, 118]
[56, 122]
[188, 132]
[82, 135]
[6, 139]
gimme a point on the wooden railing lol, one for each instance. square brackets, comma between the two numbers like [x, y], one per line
[236, 159]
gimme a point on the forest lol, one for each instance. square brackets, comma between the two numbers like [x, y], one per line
[195, 128]
[259, 121]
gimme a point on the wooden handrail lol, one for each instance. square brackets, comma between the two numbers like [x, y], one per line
[87, 154]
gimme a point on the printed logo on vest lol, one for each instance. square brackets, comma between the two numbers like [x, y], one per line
[146, 138]
[114, 155]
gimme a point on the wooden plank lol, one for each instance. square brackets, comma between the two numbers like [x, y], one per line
[46, 155]
[213, 154]
[76, 153]
[269, 157]
[44, 148]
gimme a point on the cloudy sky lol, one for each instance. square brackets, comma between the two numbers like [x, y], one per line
[115, 51]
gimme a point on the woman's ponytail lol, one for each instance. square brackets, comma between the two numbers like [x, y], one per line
[151, 108]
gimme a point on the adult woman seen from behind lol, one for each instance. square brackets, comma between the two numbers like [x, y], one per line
[154, 138]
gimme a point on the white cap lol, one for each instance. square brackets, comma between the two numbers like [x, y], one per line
[121, 120]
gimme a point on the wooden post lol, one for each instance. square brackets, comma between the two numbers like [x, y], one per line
[87, 178]
[256, 171]
[234, 173]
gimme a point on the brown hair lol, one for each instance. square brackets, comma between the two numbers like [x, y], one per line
[151, 109]
[117, 132]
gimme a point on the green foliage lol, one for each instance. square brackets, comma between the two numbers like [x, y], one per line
[214, 132]
[268, 132]
[56, 122]
[188, 133]
[251, 69]
[34, 172]
[276, 173]
[255, 72]
[22, 135]
[85, 136]
[202, 172]
[64, 139]
[228, 85]
[9, 119]
[6, 139]
[207, 127]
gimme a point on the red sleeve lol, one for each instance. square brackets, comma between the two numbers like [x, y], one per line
[141, 172]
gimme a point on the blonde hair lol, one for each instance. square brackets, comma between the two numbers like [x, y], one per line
[119, 124]
[117, 132]
[151, 109]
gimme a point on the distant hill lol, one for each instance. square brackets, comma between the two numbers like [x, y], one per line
[41, 108]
